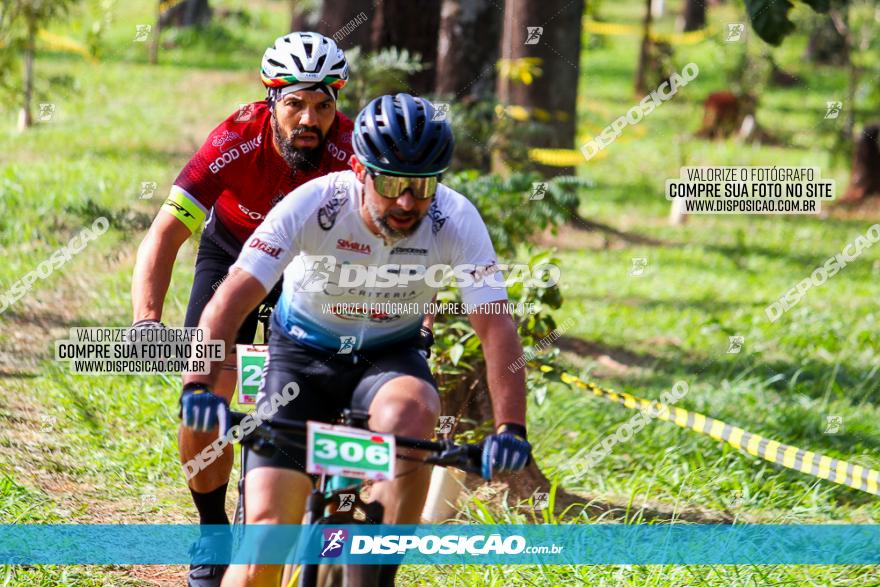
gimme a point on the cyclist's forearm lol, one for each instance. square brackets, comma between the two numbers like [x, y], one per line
[507, 386]
[151, 278]
[508, 390]
[154, 264]
[237, 297]
[428, 319]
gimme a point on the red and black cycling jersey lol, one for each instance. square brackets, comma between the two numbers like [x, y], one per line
[237, 175]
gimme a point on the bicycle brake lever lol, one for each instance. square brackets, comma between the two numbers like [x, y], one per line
[467, 458]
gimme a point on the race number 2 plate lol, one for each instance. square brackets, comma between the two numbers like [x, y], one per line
[350, 452]
[251, 363]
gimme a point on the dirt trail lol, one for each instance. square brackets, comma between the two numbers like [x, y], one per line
[32, 440]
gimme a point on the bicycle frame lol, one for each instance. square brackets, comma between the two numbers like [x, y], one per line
[447, 453]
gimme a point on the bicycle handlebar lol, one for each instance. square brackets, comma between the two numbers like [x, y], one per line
[467, 457]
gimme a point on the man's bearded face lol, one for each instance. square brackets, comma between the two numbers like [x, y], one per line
[301, 123]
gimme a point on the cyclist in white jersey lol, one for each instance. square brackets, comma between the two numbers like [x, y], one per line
[361, 252]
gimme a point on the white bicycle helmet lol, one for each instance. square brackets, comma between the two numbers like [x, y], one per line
[304, 58]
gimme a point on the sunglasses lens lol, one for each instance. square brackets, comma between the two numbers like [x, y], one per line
[391, 186]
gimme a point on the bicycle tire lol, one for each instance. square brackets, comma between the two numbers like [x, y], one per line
[238, 513]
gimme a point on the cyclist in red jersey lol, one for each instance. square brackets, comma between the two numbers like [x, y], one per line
[247, 165]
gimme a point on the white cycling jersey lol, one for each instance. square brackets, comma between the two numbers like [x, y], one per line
[343, 281]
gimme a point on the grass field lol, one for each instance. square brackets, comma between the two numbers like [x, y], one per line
[103, 449]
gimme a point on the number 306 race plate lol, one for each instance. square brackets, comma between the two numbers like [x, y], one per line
[351, 452]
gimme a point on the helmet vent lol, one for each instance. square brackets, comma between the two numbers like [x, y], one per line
[396, 134]
[430, 146]
[390, 143]
[298, 63]
[275, 63]
[371, 146]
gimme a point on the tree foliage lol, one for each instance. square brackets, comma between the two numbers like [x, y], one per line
[770, 20]
[20, 21]
[376, 73]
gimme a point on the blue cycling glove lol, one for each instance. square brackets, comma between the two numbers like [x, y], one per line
[201, 410]
[506, 451]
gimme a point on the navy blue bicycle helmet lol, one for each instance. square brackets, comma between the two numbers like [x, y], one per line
[402, 135]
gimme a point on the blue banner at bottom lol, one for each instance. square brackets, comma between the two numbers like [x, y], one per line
[441, 544]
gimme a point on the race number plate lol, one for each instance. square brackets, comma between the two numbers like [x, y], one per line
[251, 363]
[351, 452]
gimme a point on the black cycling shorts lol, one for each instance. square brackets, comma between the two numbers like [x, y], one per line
[328, 383]
[212, 266]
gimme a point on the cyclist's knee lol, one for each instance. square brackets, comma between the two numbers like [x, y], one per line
[275, 496]
[406, 405]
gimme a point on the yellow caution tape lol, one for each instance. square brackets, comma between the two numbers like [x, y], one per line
[611, 29]
[791, 457]
[560, 157]
[688, 38]
[62, 44]
[525, 113]
[167, 5]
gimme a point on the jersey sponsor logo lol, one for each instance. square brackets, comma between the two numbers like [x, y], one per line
[297, 332]
[437, 217]
[180, 209]
[336, 152]
[234, 153]
[327, 213]
[224, 159]
[408, 251]
[250, 213]
[265, 247]
[227, 136]
[252, 144]
[347, 245]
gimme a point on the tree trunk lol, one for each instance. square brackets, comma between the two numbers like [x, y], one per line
[412, 26]
[301, 19]
[197, 12]
[826, 45]
[644, 54]
[186, 13]
[470, 32]
[26, 119]
[153, 58]
[347, 22]
[550, 31]
[694, 15]
[865, 178]
[469, 402]
[657, 8]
